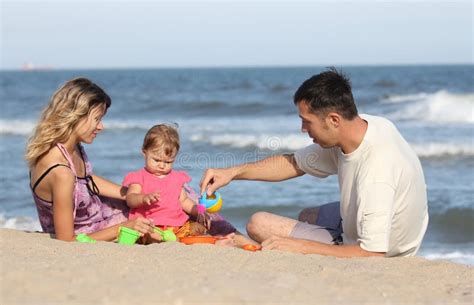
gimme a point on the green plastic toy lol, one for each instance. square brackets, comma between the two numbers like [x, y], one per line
[84, 238]
[166, 235]
[127, 236]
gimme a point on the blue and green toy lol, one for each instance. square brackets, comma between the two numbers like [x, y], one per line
[212, 203]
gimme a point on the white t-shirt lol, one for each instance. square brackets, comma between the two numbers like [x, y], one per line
[383, 191]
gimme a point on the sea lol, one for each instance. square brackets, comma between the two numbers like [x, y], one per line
[228, 116]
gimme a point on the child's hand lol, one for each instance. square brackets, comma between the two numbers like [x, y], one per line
[148, 199]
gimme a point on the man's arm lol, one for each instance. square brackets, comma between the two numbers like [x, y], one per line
[312, 247]
[275, 168]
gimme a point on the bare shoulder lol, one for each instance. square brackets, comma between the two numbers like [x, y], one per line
[51, 158]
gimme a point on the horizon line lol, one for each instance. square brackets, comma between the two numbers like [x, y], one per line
[47, 68]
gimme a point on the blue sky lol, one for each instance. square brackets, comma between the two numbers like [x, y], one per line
[154, 34]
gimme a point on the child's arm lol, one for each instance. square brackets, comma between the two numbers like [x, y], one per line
[191, 208]
[188, 205]
[110, 189]
[135, 198]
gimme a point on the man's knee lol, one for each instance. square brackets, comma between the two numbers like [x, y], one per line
[308, 215]
[256, 222]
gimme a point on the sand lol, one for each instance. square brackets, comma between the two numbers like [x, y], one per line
[36, 269]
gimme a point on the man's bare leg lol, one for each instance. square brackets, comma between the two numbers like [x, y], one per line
[262, 225]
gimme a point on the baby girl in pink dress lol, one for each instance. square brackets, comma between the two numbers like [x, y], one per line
[158, 192]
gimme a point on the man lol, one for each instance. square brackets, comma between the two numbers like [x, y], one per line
[383, 205]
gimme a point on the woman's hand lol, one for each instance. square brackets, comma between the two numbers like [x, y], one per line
[142, 225]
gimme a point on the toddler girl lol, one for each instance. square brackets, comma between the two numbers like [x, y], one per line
[158, 192]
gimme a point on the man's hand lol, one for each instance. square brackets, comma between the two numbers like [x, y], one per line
[287, 244]
[214, 179]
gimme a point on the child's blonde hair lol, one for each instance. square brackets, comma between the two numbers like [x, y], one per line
[162, 138]
[67, 107]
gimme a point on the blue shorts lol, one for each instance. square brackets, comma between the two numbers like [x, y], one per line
[327, 228]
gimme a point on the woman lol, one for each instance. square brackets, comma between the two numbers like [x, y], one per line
[65, 190]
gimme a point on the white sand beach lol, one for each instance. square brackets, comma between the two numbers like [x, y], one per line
[36, 269]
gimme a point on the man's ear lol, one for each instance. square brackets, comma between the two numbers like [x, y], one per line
[143, 153]
[333, 119]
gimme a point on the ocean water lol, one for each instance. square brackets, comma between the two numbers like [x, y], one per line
[230, 116]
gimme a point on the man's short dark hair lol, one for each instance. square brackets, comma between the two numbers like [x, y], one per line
[326, 92]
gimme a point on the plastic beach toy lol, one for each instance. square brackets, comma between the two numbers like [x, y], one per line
[201, 239]
[84, 238]
[166, 235]
[250, 247]
[212, 203]
[127, 236]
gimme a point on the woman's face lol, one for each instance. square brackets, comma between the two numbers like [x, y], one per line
[91, 125]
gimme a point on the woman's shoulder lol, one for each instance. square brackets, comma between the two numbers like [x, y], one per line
[50, 159]
[53, 168]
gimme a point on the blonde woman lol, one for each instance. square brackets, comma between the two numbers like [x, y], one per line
[65, 190]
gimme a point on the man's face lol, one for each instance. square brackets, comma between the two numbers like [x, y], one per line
[316, 127]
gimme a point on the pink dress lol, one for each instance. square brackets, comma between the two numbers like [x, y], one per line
[91, 213]
[168, 210]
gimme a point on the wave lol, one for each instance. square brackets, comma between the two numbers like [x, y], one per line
[278, 142]
[455, 256]
[240, 137]
[20, 223]
[438, 107]
[189, 125]
[435, 150]
[25, 127]
[16, 127]
[262, 141]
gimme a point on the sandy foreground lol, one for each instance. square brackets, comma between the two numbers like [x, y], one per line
[36, 269]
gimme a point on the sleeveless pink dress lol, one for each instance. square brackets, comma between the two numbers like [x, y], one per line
[91, 213]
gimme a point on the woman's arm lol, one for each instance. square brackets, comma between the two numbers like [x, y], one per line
[109, 189]
[62, 189]
[142, 225]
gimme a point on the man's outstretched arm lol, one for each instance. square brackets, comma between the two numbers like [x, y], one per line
[275, 168]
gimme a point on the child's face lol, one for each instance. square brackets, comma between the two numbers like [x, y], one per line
[157, 163]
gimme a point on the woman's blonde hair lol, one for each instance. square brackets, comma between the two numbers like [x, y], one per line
[162, 138]
[68, 105]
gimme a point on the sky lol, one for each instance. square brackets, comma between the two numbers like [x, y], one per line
[155, 34]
